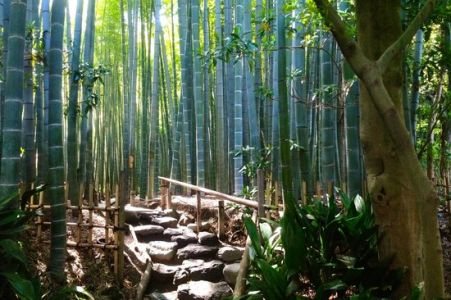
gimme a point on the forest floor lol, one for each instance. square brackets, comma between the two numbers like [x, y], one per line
[93, 268]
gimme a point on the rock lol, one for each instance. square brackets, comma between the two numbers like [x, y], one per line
[162, 296]
[166, 222]
[203, 290]
[205, 226]
[183, 240]
[185, 219]
[210, 271]
[229, 254]
[188, 263]
[146, 230]
[230, 273]
[171, 213]
[196, 251]
[163, 273]
[161, 251]
[169, 232]
[208, 239]
[153, 204]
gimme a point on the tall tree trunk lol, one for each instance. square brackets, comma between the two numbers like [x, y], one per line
[56, 161]
[404, 200]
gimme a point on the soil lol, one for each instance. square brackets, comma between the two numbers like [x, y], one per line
[93, 268]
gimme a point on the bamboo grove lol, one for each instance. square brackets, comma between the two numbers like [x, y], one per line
[206, 92]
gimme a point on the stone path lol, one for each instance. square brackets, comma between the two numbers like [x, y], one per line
[186, 265]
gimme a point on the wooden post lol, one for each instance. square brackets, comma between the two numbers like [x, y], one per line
[168, 199]
[199, 211]
[221, 219]
[163, 193]
[330, 190]
[119, 255]
[304, 192]
[261, 193]
[107, 216]
[41, 203]
[80, 214]
[91, 211]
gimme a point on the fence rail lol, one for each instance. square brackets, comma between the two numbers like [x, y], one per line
[166, 201]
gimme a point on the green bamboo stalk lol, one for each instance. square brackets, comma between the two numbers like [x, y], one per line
[72, 146]
[238, 104]
[56, 166]
[12, 121]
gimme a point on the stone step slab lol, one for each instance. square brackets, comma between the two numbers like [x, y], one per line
[161, 251]
[230, 273]
[230, 254]
[148, 230]
[208, 238]
[166, 222]
[210, 271]
[203, 290]
[196, 251]
[162, 273]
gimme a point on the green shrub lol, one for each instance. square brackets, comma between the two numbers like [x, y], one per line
[330, 248]
[16, 281]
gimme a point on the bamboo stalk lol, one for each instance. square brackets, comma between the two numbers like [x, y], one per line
[94, 208]
[74, 224]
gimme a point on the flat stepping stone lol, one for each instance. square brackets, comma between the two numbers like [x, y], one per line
[146, 230]
[162, 296]
[203, 290]
[210, 271]
[163, 273]
[230, 254]
[166, 222]
[161, 251]
[208, 238]
[230, 273]
[169, 232]
[196, 251]
[183, 240]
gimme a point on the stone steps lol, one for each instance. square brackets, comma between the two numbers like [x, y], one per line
[186, 265]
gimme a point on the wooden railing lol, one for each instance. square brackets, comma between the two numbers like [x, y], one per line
[166, 201]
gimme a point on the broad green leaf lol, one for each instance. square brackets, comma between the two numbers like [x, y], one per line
[334, 285]
[293, 241]
[23, 287]
[12, 248]
[254, 236]
[266, 231]
[359, 204]
[5, 201]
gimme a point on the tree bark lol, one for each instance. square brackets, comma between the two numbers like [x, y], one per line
[404, 200]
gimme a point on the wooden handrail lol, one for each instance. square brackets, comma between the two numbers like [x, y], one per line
[230, 198]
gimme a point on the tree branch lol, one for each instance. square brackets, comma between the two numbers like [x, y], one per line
[349, 47]
[395, 48]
